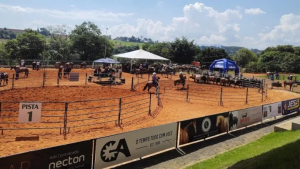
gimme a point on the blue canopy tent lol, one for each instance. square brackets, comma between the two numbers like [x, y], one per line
[224, 65]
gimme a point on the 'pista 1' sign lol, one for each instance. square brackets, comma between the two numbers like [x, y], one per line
[30, 112]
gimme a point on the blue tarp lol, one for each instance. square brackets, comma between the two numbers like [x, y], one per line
[224, 65]
[106, 60]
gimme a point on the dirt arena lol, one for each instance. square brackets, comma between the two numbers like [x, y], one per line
[203, 101]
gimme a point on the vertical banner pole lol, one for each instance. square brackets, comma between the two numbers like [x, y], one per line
[247, 96]
[13, 82]
[149, 105]
[65, 120]
[187, 92]
[221, 95]
[120, 109]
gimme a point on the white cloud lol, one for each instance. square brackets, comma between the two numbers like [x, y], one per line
[92, 15]
[199, 21]
[72, 6]
[254, 11]
[287, 31]
[160, 4]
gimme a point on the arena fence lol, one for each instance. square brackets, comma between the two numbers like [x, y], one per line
[104, 152]
[63, 116]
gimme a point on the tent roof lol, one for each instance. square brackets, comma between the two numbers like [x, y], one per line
[140, 54]
[224, 64]
[105, 60]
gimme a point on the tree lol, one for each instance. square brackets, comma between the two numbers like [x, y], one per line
[44, 31]
[88, 42]
[183, 51]
[245, 56]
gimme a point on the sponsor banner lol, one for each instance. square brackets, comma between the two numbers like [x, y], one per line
[242, 118]
[272, 110]
[290, 106]
[200, 128]
[124, 147]
[76, 155]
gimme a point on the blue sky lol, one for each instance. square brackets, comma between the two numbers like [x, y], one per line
[252, 24]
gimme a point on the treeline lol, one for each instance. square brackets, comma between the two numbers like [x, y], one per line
[283, 58]
[7, 34]
[135, 39]
[231, 50]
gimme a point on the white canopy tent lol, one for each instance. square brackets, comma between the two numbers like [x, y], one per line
[139, 54]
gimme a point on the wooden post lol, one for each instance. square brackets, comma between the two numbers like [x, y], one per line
[187, 92]
[149, 105]
[247, 96]
[132, 86]
[65, 120]
[44, 77]
[86, 79]
[262, 92]
[57, 80]
[0, 109]
[221, 97]
[120, 109]
[266, 90]
[13, 82]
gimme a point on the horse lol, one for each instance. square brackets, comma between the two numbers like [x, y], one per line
[150, 85]
[223, 81]
[236, 82]
[232, 121]
[33, 65]
[184, 135]
[176, 82]
[21, 69]
[290, 83]
[67, 71]
[222, 124]
[83, 64]
[4, 77]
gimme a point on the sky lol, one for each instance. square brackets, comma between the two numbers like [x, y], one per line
[252, 24]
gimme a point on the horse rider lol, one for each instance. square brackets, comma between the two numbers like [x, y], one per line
[290, 77]
[37, 65]
[60, 71]
[272, 77]
[154, 79]
[182, 78]
[277, 75]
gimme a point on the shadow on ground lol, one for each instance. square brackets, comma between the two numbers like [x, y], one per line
[173, 154]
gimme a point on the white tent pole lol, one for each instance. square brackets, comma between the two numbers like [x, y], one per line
[93, 65]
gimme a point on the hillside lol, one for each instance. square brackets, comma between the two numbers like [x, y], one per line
[231, 50]
[119, 43]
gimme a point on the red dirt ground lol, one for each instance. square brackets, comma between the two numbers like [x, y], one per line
[203, 101]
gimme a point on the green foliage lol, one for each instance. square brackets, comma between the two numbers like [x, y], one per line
[88, 42]
[275, 150]
[245, 56]
[118, 43]
[161, 49]
[5, 34]
[183, 51]
[208, 55]
[27, 45]
[124, 49]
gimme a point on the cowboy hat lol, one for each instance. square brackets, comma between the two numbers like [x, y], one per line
[154, 73]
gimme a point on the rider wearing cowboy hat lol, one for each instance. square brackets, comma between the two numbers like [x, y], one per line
[154, 79]
[181, 78]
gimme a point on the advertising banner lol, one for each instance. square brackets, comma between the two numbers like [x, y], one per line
[272, 110]
[76, 155]
[245, 117]
[200, 128]
[124, 147]
[290, 106]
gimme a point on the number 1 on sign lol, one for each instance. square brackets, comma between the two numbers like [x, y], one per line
[30, 116]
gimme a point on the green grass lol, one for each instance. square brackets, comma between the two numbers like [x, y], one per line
[118, 42]
[275, 150]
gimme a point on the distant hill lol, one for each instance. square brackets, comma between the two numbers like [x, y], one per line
[231, 50]
[16, 31]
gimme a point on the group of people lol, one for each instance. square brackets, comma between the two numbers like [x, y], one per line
[276, 76]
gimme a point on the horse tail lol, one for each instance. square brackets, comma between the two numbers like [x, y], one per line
[145, 87]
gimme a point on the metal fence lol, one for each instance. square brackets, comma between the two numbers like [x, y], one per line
[206, 94]
[87, 114]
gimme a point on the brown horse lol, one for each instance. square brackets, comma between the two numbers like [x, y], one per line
[223, 81]
[4, 78]
[184, 135]
[150, 84]
[290, 83]
[177, 82]
[21, 69]
[222, 123]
